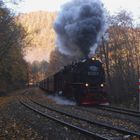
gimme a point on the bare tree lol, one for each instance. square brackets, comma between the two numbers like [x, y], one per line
[121, 56]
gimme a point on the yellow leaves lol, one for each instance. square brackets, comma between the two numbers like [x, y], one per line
[1, 13]
[39, 26]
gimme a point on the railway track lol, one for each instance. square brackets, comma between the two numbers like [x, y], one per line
[81, 130]
[110, 109]
[116, 119]
[31, 105]
[129, 112]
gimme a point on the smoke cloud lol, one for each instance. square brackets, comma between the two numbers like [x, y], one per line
[79, 26]
[61, 100]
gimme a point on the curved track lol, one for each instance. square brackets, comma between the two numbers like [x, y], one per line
[84, 131]
[81, 130]
[89, 121]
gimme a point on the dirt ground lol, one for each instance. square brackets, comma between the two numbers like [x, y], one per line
[20, 123]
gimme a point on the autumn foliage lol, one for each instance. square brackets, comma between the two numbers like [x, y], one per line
[121, 55]
[12, 64]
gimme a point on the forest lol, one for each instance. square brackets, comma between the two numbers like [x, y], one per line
[119, 50]
[13, 68]
[28, 52]
[121, 56]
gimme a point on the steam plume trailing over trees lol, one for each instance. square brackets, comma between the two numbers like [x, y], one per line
[79, 26]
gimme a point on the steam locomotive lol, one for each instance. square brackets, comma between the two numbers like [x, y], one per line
[83, 82]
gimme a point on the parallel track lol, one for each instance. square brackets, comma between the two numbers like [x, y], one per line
[129, 112]
[122, 130]
[81, 130]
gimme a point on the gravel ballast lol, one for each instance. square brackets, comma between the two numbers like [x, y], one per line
[20, 123]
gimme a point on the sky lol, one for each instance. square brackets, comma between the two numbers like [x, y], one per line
[54, 5]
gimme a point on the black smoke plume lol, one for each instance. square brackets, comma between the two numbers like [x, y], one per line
[79, 26]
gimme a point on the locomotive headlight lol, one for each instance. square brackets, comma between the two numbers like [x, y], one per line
[86, 84]
[93, 58]
[102, 85]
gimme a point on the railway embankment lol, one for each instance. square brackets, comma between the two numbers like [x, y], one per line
[19, 123]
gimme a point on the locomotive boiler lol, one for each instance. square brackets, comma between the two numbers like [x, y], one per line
[83, 82]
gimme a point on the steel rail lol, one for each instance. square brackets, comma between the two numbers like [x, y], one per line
[119, 108]
[122, 130]
[121, 111]
[81, 130]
